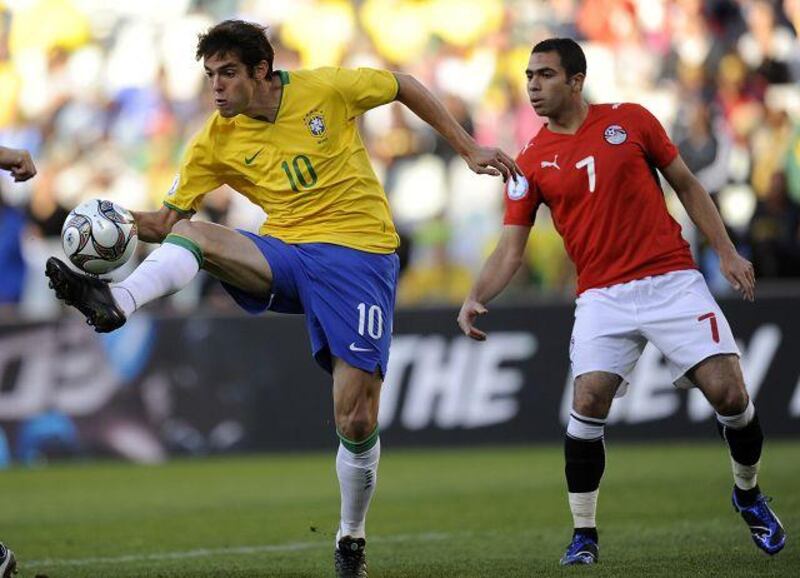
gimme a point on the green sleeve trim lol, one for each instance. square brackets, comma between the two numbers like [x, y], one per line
[362, 446]
[397, 87]
[185, 212]
[187, 244]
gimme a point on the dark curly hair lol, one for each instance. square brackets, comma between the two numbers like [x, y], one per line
[246, 40]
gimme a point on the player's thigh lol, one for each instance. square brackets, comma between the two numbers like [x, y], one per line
[350, 305]
[720, 379]
[683, 320]
[229, 256]
[356, 397]
[593, 393]
[605, 345]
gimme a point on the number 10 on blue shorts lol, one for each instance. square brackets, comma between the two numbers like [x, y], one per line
[347, 296]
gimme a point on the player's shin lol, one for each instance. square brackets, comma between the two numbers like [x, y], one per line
[357, 469]
[166, 270]
[745, 439]
[584, 453]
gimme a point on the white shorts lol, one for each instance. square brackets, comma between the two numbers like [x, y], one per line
[675, 312]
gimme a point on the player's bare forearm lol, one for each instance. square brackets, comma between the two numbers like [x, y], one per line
[698, 205]
[425, 105]
[704, 214]
[154, 226]
[482, 160]
[495, 276]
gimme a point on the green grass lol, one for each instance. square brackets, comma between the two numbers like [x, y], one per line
[664, 510]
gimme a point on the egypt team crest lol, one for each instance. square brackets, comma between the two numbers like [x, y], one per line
[615, 134]
[517, 188]
[315, 122]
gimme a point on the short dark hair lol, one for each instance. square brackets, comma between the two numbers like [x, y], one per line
[572, 57]
[246, 40]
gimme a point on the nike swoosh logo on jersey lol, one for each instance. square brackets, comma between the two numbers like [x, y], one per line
[354, 347]
[249, 160]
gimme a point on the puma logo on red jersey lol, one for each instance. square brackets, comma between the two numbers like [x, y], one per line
[553, 163]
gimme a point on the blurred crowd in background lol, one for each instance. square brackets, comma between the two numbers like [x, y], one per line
[106, 93]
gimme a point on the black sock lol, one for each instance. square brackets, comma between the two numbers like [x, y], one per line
[746, 497]
[746, 443]
[585, 463]
[590, 532]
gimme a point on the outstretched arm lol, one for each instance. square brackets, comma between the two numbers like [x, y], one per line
[736, 269]
[153, 226]
[482, 160]
[18, 162]
[494, 277]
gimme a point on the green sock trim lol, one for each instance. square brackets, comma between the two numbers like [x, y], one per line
[362, 446]
[187, 244]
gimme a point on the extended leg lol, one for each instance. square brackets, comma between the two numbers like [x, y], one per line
[223, 252]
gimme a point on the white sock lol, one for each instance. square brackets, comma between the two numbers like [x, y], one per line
[583, 506]
[745, 477]
[740, 420]
[166, 270]
[358, 476]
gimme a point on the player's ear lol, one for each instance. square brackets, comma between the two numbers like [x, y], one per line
[261, 70]
[577, 82]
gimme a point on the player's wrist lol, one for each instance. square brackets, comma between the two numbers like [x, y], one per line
[465, 147]
[727, 251]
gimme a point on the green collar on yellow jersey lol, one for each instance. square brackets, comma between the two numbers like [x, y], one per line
[247, 120]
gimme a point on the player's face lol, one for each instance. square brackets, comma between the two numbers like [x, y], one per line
[549, 89]
[231, 84]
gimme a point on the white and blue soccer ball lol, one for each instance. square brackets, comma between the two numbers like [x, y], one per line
[99, 236]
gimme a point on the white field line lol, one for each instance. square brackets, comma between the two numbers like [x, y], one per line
[205, 552]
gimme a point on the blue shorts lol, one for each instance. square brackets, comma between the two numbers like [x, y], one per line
[347, 296]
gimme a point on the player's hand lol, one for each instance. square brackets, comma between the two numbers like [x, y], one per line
[739, 273]
[492, 161]
[18, 162]
[470, 311]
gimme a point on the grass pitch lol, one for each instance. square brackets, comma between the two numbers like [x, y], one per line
[664, 511]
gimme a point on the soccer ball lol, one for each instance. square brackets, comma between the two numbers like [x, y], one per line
[99, 236]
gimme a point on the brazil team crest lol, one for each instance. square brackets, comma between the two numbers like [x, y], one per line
[315, 121]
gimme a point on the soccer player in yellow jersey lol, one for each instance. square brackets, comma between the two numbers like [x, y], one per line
[288, 141]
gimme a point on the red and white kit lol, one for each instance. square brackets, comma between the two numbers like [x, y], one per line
[637, 280]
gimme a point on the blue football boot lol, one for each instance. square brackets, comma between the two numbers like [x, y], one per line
[765, 527]
[582, 550]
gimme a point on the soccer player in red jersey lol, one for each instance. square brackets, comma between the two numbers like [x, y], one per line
[595, 167]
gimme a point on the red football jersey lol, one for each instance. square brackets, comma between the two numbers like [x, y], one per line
[604, 194]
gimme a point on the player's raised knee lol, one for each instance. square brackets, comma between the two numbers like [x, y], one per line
[197, 233]
[186, 228]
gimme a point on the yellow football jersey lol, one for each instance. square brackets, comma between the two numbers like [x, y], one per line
[308, 170]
